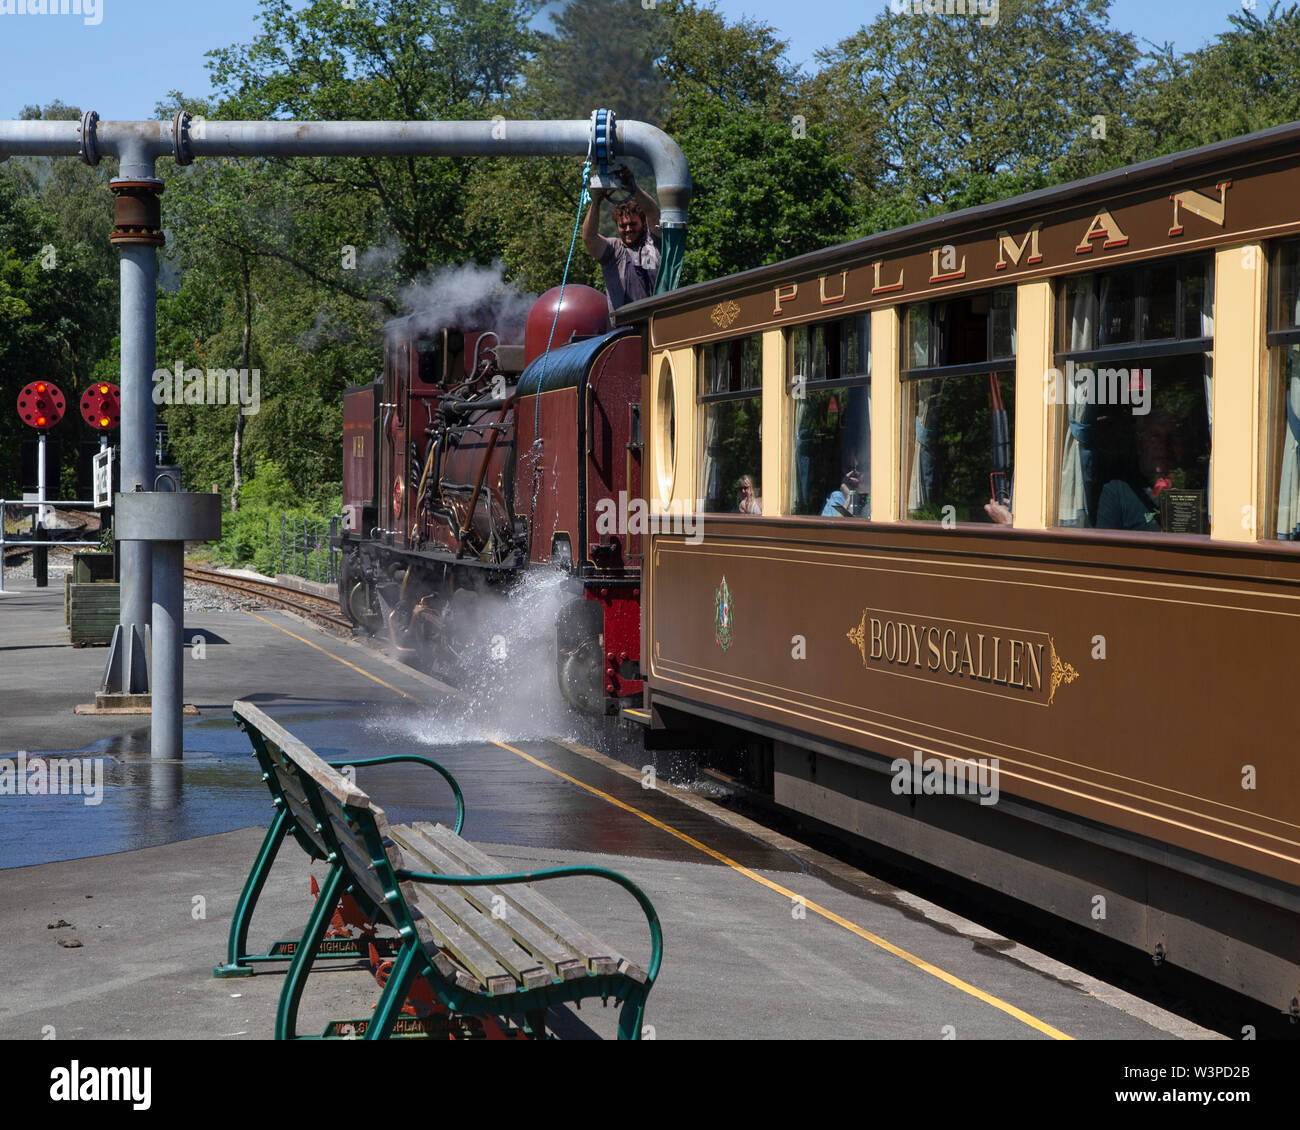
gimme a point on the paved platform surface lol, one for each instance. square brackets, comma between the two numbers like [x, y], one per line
[763, 938]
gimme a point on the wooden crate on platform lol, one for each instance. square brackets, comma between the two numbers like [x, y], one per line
[93, 611]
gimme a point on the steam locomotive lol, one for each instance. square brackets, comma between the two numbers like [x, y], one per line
[475, 459]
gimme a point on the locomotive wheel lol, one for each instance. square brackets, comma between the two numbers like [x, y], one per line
[578, 674]
[361, 607]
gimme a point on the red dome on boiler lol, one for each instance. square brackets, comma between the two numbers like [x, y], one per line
[585, 312]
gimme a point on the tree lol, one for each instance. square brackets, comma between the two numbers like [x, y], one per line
[1248, 79]
[382, 60]
[766, 186]
[939, 111]
[58, 287]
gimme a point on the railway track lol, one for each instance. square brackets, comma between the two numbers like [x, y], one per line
[319, 609]
[78, 532]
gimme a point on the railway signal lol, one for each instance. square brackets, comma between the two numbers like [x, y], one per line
[101, 406]
[41, 405]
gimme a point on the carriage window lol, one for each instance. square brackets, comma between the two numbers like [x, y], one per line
[830, 399]
[959, 417]
[731, 399]
[1133, 374]
[1284, 354]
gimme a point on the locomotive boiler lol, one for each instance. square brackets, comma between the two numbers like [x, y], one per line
[475, 459]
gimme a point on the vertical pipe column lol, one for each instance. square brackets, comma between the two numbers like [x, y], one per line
[137, 234]
[168, 651]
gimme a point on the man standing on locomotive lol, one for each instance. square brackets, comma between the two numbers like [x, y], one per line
[631, 262]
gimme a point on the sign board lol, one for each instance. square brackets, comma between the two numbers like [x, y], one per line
[103, 472]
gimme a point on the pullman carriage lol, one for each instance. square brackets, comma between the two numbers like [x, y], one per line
[1020, 593]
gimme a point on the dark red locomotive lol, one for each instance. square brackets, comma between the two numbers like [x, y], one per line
[474, 460]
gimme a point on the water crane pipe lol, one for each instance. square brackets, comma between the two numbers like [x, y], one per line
[138, 144]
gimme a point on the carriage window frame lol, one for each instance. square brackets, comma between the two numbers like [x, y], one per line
[1141, 346]
[835, 379]
[992, 363]
[1279, 332]
[737, 347]
[1281, 335]
[738, 390]
[1002, 366]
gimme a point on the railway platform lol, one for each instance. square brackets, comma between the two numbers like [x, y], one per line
[121, 906]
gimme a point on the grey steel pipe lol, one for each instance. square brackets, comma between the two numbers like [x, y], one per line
[451, 139]
[139, 144]
[167, 520]
[139, 274]
[168, 647]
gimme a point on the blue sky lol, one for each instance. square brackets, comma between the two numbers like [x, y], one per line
[140, 49]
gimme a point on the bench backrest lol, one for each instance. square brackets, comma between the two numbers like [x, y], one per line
[332, 818]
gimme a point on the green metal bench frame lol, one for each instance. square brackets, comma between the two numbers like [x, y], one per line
[239, 962]
[366, 839]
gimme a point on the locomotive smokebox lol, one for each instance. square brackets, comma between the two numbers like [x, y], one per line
[585, 312]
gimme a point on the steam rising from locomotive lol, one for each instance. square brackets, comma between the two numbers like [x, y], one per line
[478, 458]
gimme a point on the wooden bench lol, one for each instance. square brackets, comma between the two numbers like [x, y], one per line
[486, 942]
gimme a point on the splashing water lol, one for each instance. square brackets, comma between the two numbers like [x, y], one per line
[508, 681]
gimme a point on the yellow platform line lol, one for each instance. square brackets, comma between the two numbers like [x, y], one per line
[358, 670]
[829, 915]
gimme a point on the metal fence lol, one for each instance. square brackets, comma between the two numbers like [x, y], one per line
[306, 549]
[40, 539]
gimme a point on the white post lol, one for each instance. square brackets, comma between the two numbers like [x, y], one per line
[40, 478]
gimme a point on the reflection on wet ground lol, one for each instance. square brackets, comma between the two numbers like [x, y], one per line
[218, 788]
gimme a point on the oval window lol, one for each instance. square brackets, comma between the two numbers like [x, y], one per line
[666, 432]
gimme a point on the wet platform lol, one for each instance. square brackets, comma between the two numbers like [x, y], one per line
[120, 908]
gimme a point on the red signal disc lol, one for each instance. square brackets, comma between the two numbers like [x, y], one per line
[41, 405]
[101, 406]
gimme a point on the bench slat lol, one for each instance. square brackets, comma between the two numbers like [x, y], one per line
[561, 959]
[305, 823]
[500, 936]
[446, 934]
[461, 945]
[600, 958]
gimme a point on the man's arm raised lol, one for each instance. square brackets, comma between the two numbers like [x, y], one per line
[591, 237]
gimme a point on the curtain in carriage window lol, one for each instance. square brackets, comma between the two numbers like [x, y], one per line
[1288, 496]
[920, 488]
[1286, 359]
[1081, 304]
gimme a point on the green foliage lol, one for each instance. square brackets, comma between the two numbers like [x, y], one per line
[1247, 79]
[930, 110]
[762, 194]
[58, 301]
[251, 537]
[384, 60]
